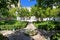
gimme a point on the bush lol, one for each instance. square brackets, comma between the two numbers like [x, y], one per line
[2, 22]
[10, 25]
[56, 36]
[57, 25]
[48, 25]
[8, 22]
[20, 25]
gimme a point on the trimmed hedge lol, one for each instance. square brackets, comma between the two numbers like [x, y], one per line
[16, 25]
[56, 36]
[47, 25]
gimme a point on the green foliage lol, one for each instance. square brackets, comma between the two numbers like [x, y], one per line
[20, 25]
[48, 12]
[10, 25]
[5, 3]
[54, 12]
[12, 12]
[57, 27]
[14, 2]
[45, 25]
[3, 13]
[34, 11]
[47, 8]
[47, 3]
[10, 22]
[38, 12]
[56, 36]
[2, 22]
[23, 12]
[51, 12]
[7, 22]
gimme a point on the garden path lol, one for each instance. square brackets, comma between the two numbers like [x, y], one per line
[19, 34]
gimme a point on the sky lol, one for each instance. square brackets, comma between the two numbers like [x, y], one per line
[27, 3]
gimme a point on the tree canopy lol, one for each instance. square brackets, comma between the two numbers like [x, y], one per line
[4, 8]
[23, 12]
[48, 3]
[5, 3]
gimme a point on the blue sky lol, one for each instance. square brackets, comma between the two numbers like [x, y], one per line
[27, 3]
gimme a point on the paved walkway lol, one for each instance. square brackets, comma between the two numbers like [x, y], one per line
[6, 32]
[19, 34]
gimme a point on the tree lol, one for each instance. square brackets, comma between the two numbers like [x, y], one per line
[12, 13]
[23, 12]
[47, 12]
[4, 8]
[54, 12]
[38, 12]
[3, 12]
[48, 3]
[35, 11]
[46, 8]
[58, 12]
[5, 3]
[14, 2]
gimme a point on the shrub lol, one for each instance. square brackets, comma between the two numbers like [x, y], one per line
[57, 25]
[13, 25]
[2, 22]
[56, 36]
[9, 22]
[48, 25]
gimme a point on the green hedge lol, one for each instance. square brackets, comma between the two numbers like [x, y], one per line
[57, 25]
[47, 25]
[10, 25]
[56, 36]
[7, 22]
